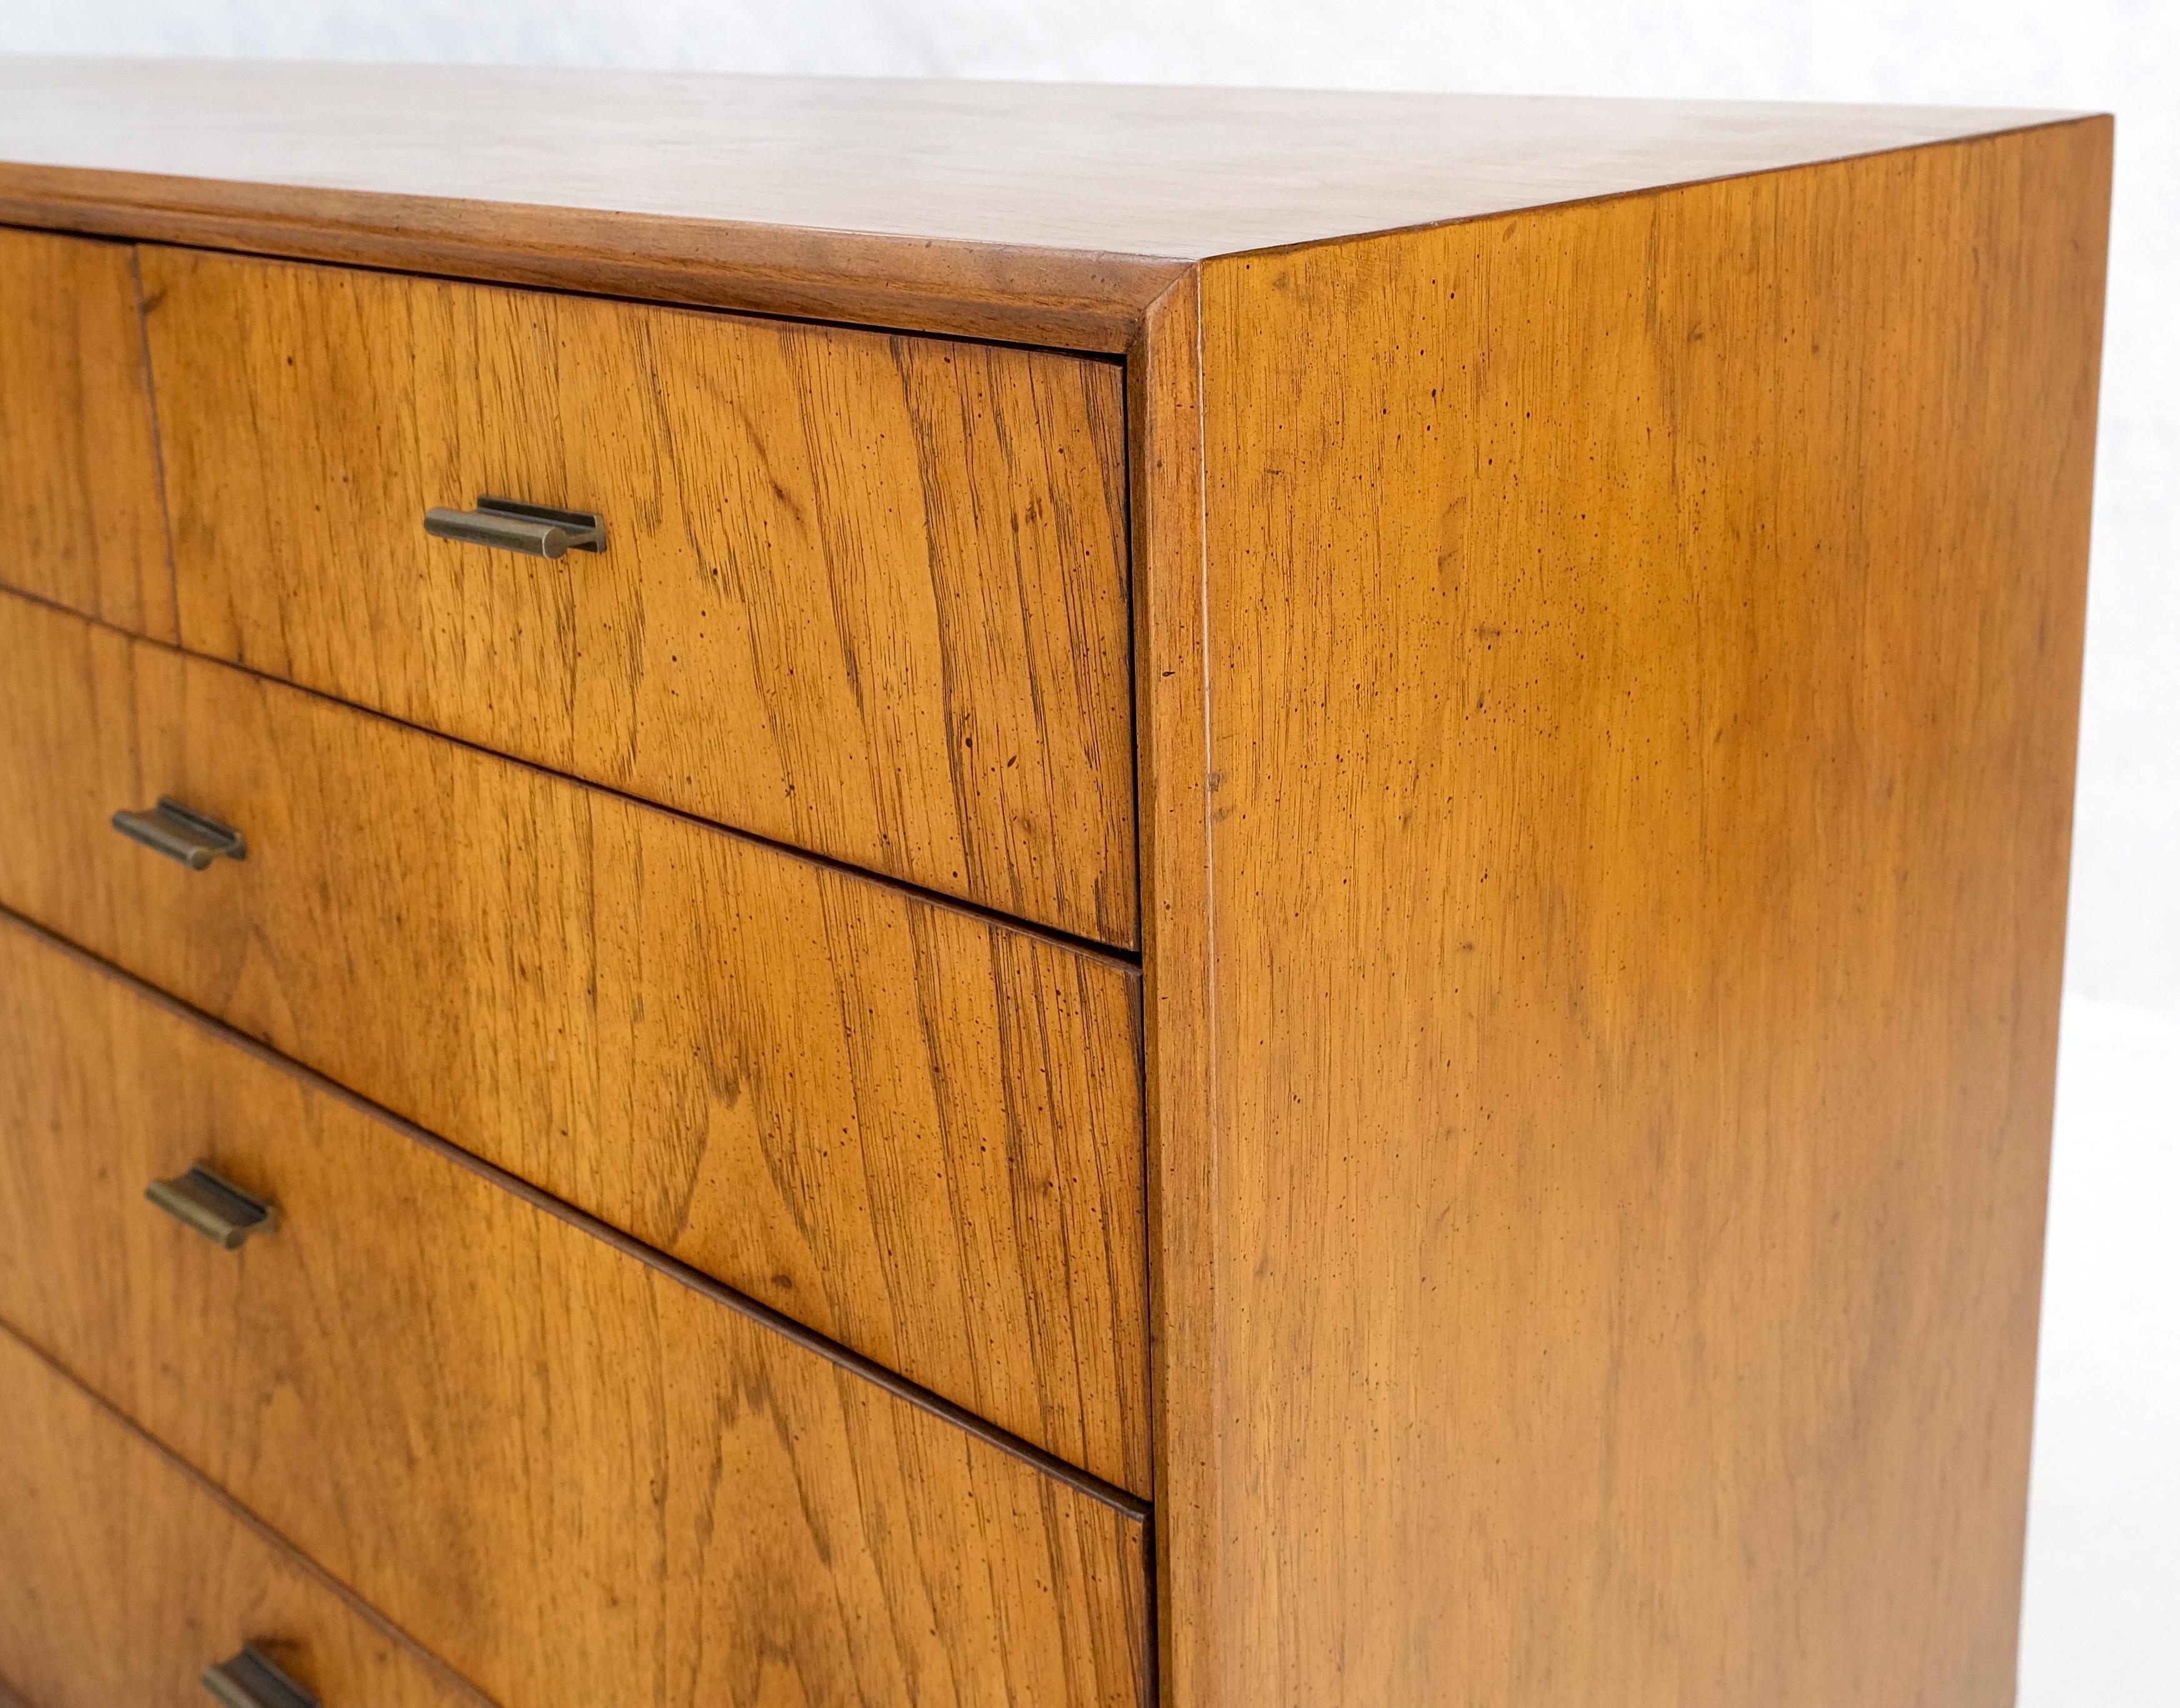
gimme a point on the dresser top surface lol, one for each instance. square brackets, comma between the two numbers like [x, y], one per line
[1172, 174]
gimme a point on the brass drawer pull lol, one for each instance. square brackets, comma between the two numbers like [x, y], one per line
[249, 1679]
[519, 527]
[220, 1210]
[181, 835]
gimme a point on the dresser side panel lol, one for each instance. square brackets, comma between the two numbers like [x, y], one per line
[1642, 650]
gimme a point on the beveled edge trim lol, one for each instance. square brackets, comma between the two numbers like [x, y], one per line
[1173, 816]
[1054, 298]
[855, 1364]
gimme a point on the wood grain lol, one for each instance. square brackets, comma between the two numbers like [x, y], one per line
[77, 459]
[1166, 477]
[863, 595]
[1643, 653]
[910, 1128]
[1055, 298]
[124, 1576]
[1043, 212]
[575, 1478]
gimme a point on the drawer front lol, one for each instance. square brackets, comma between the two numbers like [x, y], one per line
[913, 1130]
[123, 1577]
[862, 594]
[563, 1469]
[78, 471]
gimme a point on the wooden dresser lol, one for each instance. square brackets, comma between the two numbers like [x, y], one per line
[844, 894]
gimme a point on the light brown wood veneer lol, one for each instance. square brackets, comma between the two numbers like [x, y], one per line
[864, 595]
[1604, 1050]
[127, 1576]
[1606, 591]
[911, 1129]
[574, 1476]
[79, 468]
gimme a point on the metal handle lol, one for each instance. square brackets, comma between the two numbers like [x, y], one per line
[219, 1209]
[250, 1679]
[519, 527]
[179, 833]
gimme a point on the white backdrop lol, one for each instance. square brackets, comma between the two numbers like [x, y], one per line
[2103, 1572]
